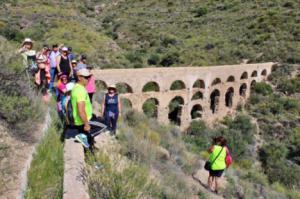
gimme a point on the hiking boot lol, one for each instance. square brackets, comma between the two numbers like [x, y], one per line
[82, 138]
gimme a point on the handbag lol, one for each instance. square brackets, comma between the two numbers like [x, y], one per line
[228, 159]
[209, 164]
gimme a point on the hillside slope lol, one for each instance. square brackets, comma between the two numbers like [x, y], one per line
[161, 33]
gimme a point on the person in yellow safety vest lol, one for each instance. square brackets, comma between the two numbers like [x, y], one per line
[218, 151]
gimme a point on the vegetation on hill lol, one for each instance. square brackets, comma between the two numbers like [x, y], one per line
[45, 177]
[157, 163]
[20, 110]
[126, 34]
[118, 34]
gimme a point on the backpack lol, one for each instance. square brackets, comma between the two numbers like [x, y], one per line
[228, 159]
[69, 113]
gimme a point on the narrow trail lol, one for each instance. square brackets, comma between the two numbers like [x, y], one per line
[17, 160]
[200, 177]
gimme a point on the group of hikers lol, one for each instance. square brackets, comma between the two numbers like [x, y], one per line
[74, 92]
[74, 89]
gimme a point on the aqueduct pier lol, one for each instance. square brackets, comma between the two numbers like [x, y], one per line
[206, 93]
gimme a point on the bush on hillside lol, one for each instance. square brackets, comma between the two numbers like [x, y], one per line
[170, 59]
[201, 11]
[20, 109]
[290, 86]
[263, 88]
[107, 182]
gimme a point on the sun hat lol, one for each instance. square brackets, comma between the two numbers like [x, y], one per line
[112, 86]
[27, 40]
[70, 86]
[74, 61]
[83, 72]
[64, 49]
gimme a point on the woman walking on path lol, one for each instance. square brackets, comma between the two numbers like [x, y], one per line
[63, 63]
[111, 107]
[218, 152]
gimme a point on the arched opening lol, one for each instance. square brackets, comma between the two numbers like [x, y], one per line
[126, 105]
[254, 74]
[199, 84]
[151, 87]
[264, 72]
[216, 81]
[197, 111]
[243, 90]
[230, 79]
[100, 85]
[252, 85]
[244, 75]
[150, 107]
[197, 95]
[229, 97]
[175, 110]
[123, 88]
[214, 101]
[177, 85]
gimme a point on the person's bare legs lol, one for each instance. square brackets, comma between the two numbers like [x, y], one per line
[216, 184]
[209, 182]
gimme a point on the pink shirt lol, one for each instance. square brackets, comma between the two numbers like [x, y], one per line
[61, 86]
[91, 86]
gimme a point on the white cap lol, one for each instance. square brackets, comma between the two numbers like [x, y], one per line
[27, 40]
[83, 72]
[113, 86]
[64, 49]
[70, 86]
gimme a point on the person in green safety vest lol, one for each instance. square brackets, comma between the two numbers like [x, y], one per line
[218, 152]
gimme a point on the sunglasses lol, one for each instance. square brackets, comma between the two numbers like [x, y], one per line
[86, 77]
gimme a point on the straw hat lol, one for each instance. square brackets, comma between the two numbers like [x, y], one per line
[112, 86]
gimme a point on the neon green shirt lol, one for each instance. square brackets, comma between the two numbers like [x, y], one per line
[219, 163]
[79, 94]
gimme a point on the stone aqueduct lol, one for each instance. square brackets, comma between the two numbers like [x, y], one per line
[208, 93]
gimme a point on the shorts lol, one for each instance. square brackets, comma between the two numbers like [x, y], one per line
[216, 173]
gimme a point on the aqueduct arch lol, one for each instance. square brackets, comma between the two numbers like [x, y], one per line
[196, 84]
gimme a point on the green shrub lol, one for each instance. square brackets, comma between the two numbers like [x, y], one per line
[131, 182]
[150, 108]
[154, 59]
[201, 11]
[263, 88]
[197, 128]
[170, 59]
[45, 177]
[289, 86]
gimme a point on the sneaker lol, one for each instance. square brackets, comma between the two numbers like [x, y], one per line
[83, 140]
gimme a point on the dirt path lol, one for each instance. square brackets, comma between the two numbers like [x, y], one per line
[15, 159]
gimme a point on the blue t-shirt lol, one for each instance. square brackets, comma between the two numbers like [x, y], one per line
[111, 104]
